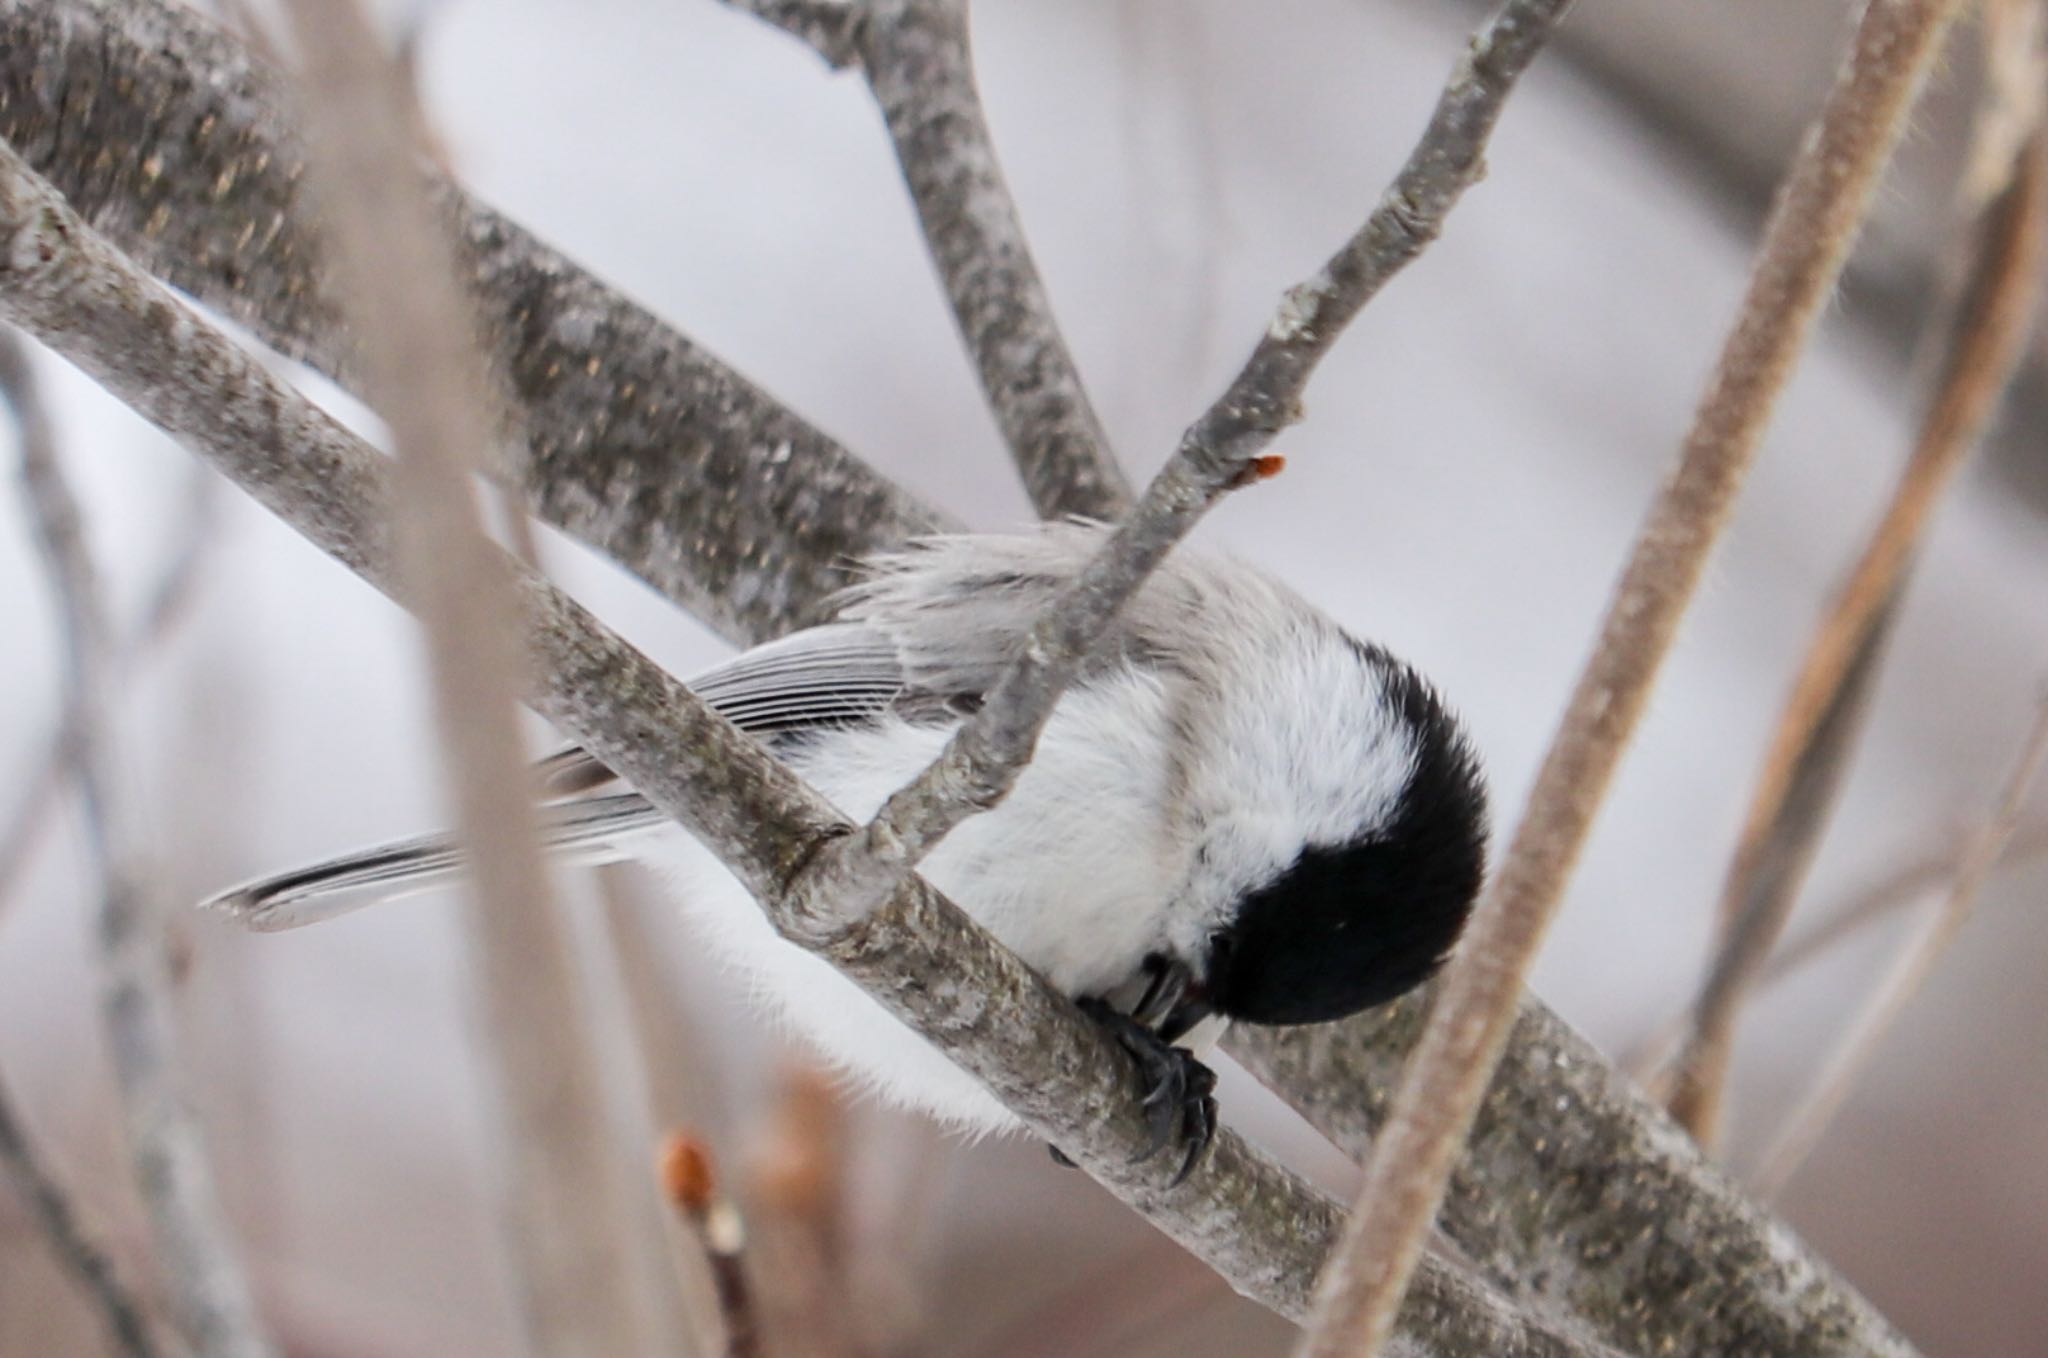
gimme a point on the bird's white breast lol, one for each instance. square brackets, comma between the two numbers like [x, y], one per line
[1070, 880]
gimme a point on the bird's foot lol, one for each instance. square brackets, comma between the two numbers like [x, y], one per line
[1179, 1091]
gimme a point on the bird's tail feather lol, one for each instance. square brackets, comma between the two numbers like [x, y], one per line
[588, 831]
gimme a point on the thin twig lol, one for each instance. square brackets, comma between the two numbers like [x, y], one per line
[1222, 451]
[209, 1292]
[924, 961]
[1881, 899]
[1836, 926]
[1805, 243]
[1802, 1129]
[567, 1229]
[89, 1265]
[1983, 344]
[169, 599]
[795, 1186]
[677, 1083]
[714, 1221]
[917, 59]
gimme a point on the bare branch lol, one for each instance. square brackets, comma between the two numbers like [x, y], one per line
[1852, 1057]
[715, 1223]
[1982, 346]
[795, 1184]
[1578, 1197]
[1770, 865]
[918, 62]
[1897, 890]
[1819, 209]
[1258, 1225]
[173, 591]
[79, 1256]
[184, 155]
[164, 1141]
[1223, 451]
[567, 1229]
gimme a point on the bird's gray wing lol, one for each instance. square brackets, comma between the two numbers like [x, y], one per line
[824, 676]
[832, 675]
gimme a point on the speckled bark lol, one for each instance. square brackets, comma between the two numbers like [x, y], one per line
[918, 62]
[169, 137]
[1580, 1196]
[1258, 1225]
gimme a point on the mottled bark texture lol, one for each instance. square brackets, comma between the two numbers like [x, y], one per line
[1580, 1197]
[171, 138]
[918, 62]
[1258, 1225]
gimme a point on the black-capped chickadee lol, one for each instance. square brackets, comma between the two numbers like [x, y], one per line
[1237, 811]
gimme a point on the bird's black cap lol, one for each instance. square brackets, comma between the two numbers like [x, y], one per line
[1357, 924]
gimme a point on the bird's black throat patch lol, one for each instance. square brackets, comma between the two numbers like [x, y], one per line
[1354, 925]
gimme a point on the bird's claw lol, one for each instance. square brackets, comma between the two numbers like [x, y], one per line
[1179, 1091]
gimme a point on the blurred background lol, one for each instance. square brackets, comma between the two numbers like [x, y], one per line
[1477, 455]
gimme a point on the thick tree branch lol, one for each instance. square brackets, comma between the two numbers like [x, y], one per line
[926, 962]
[1805, 243]
[1578, 1196]
[165, 1143]
[171, 138]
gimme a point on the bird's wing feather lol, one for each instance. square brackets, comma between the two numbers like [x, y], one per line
[823, 676]
[831, 675]
[590, 831]
[938, 621]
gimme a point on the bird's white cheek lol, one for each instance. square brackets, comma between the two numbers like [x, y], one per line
[1234, 858]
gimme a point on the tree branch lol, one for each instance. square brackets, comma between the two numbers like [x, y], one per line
[1805, 243]
[1981, 343]
[165, 1144]
[918, 62]
[80, 1257]
[1578, 1197]
[1258, 1225]
[1803, 1127]
[173, 139]
[49, 772]
[566, 1229]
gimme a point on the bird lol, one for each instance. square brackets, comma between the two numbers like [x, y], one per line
[1236, 812]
